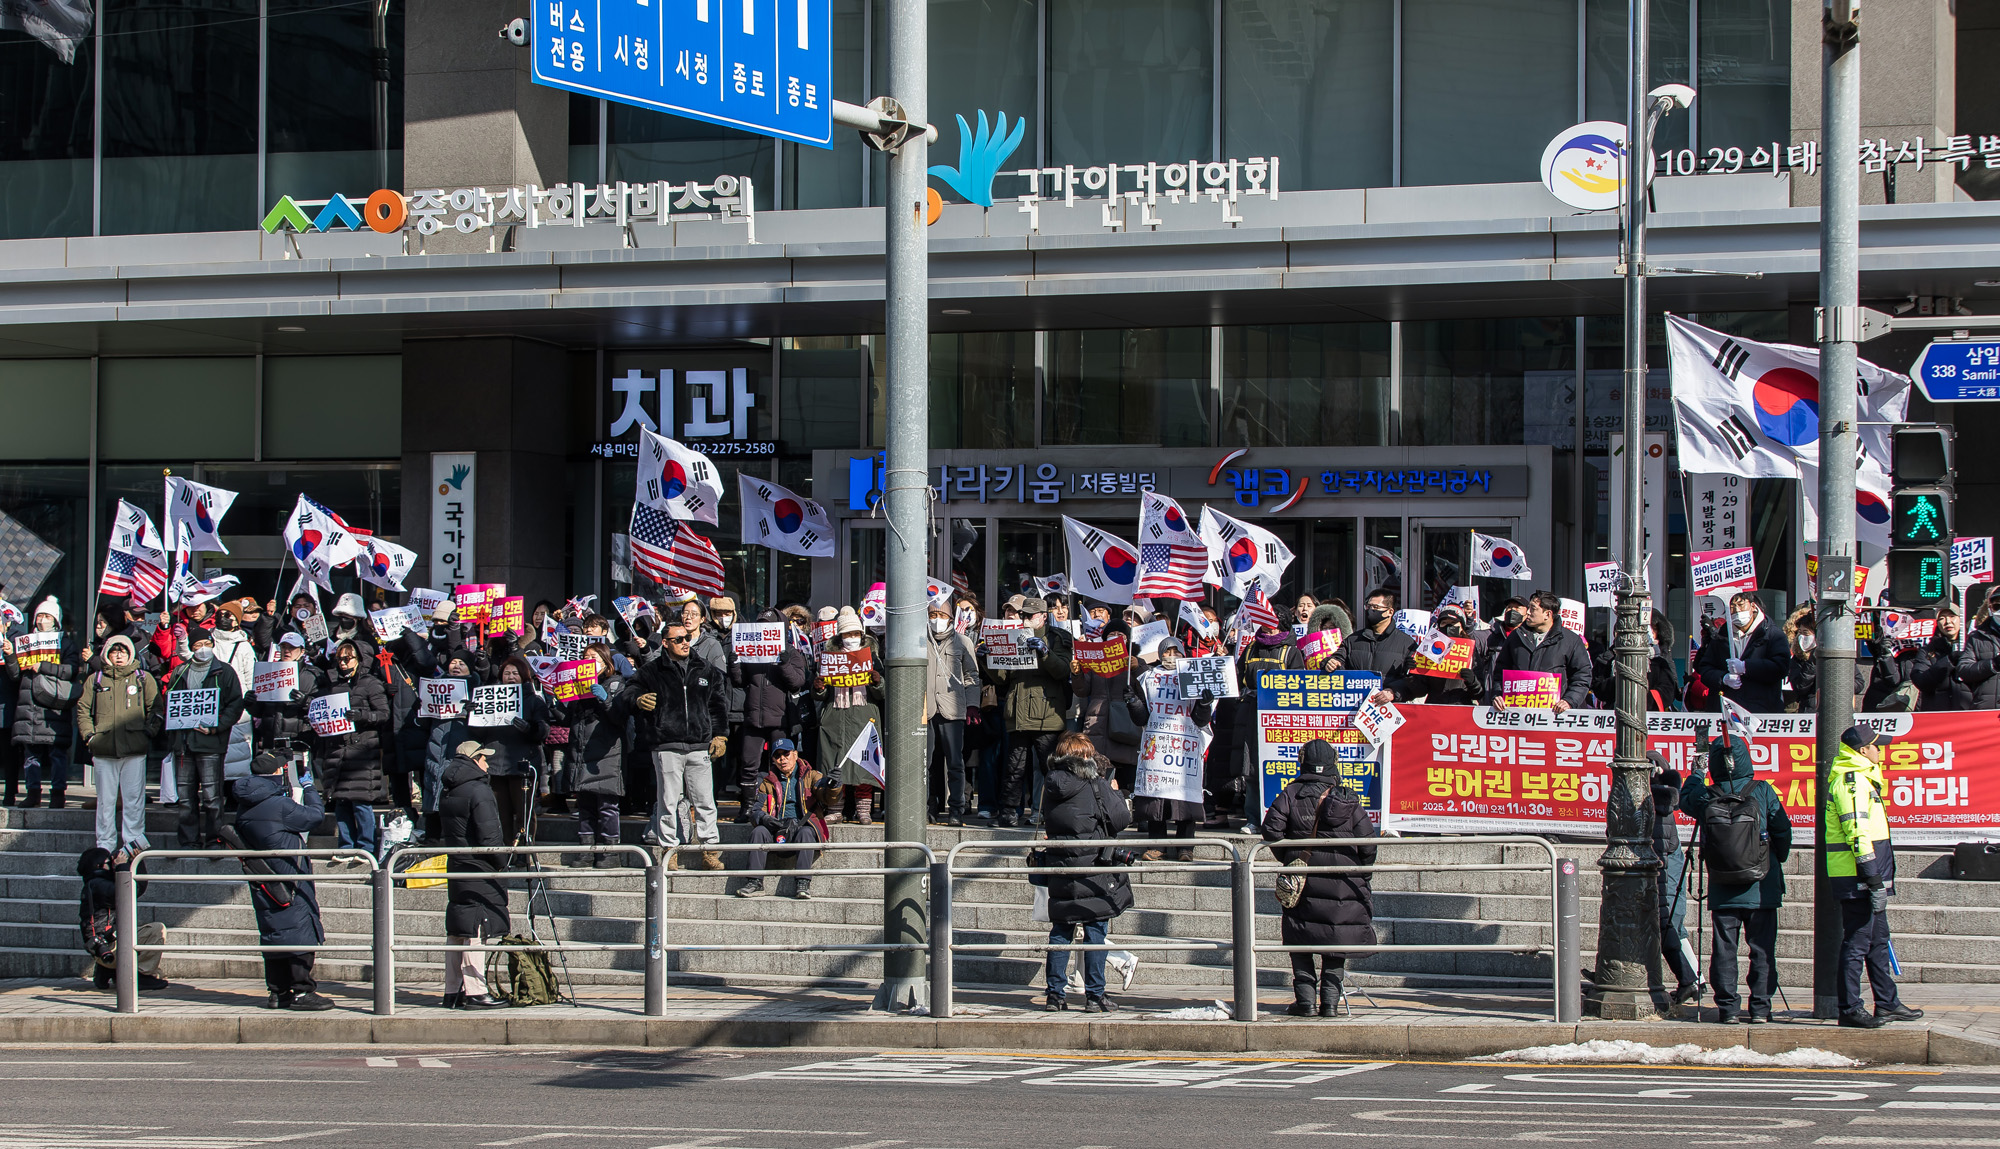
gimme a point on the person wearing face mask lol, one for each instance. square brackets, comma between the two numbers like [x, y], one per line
[721, 630]
[198, 752]
[845, 711]
[349, 623]
[233, 646]
[1663, 685]
[1467, 688]
[351, 764]
[1157, 707]
[1749, 666]
[1378, 646]
[1513, 613]
[442, 737]
[40, 733]
[1542, 644]
[951, 691]
[1861, 863]
[1937, 680]
[280, 722]
[1979, 658]
[770, 708]
[1035, 700]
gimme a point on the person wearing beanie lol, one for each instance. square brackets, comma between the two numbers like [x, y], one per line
[42, 692]
[198, 751]
[1036, 698]
[1333, 909]
[1862, 865]
[1233, 778]
[475, 908]
[269, 818]
[1672, 887]
[845, 711]
[118, 717]
[1743, 903]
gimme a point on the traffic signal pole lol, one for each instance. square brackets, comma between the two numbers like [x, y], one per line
[1840, 321]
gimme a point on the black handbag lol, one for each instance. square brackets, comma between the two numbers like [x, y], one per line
[52, 693]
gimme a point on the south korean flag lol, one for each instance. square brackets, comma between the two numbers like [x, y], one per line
[674, 479]
[1102, 566]
[1241, 555]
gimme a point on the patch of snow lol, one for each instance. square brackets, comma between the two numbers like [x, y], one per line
[1220, 1011]
[1638, 1052]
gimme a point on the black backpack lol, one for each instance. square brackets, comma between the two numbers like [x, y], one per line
[1733, 839]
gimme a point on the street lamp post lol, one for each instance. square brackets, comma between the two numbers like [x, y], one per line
[1628, 938]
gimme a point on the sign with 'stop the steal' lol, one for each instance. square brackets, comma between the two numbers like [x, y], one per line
[441, 697]
[757, 642]
[763, 66]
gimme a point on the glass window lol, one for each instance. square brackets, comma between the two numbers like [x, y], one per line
[180, 115]
[983, 390]
[1607, 50]
[867, 561]
[1463, 378]
[320, 118]
[1028, 549]
[647, 146]
[1746, 74]
[583, 141]
[1333, 561]
[1381, 560]
[982, 58]
[969, 538]
[1142, 386]
[1311, 84]
[1306, 385]
[831, 177]
[175, 408]
[49, 403]
[1130, 80]
[370, 497]
[333, 407]
[825, 381]
[1484, 87]
[52, 505]
[45, 114]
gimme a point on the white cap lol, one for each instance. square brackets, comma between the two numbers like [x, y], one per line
[350, 604]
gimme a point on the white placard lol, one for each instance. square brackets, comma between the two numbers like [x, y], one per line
[1415, 623]
[1972, 561]
[1006, 648]
[1377, 721]
[1600, 584]
[274, 681]
[442, 697]
[328, 715]
[391, 622]
[757, 641]
[1172, 749]
[1574, 616]
[573, 647]
[36, 648]
[188, 709]
[454, 477]
[1216, 674]
[495, 705]
[427, 600]
[1147, 637]
[1466, 598]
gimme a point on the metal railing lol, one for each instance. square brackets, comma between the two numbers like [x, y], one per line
[126, 976]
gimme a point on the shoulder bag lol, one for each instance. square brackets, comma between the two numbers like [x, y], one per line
[1290, 888]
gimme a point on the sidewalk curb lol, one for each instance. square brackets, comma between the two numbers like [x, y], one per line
[1904, 1045]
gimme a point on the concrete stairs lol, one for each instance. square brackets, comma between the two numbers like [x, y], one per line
[1945, 930]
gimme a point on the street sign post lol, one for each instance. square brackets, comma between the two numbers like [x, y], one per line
[1959, 370]
[763, 66]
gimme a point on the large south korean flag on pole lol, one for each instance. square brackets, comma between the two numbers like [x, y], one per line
[679, 481]
[1241, 555]
[1752, 409]
[1102, 566]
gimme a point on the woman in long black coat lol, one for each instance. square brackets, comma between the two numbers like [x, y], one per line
[1079, 803]
[474, 907]
[1336, 909]
[351, 763]
[598, 737]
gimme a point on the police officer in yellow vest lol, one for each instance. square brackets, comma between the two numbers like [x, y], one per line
[1863, 869]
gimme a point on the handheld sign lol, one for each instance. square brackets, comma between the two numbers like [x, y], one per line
[428, 600]
[1415, 623]
[1440, 655]
[495, 705]
[391, 622]
[476, 600]
[189, 709]
[1723, 572]
[1377, 721]
[1600, 582]
[1105, 659]
[1147, 637]
[507, 617]
[1319, 646]
[1972, 560]
[574, 679]
[1006, 646]
[1215, 674]
[758, 642]
[274, 681]
[328, 715]
[1529, 689]
[37, 648]
[1574, 615]
[847, 668]
[570, 646]
[1172, 748]
[442, 697]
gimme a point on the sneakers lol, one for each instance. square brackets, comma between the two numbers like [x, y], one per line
[803, 890]
[1901, 1012]
[1098, 1003]
[605, 860]
[1009, 820]
[754, 888]
[1726, 1015]
[1859, 1020]
[711, 860]
[955, 819]
[309, 1002]
[1056, 1003]
[278, 1001]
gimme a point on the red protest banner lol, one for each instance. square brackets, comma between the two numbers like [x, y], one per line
[1106, 659]
[849, 668]
[1442, 656]
[1459, 769]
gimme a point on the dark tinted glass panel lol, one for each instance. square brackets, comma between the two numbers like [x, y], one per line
[822, 392]
[1306, 385]
[831, 177]
[1140, 386]
[1607, 50]
[1463, 378]
[983, 389]
[1309, 82]
[1484, 87]
[1746, 74]
[322, 127]
[52, 504]
[180, 115]
[583, 141]
[647, 146]
[45, 114]
[982, 58]
[1130, 80]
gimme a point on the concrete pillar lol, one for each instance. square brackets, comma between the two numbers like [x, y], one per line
[1908, 75]
[509, 400]
[472, 117]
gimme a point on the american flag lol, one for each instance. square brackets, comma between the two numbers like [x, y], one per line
[1172, 558]
[673, 554]
[1256, 610]
[129, 576]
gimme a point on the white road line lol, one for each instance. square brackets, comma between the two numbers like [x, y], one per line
[1704, 1105]
[574, 1127]
[1942, 1142]
[108, 1064]
[1989, 1089]
[200, 1080]
[1989, 1105]
[1930, 1121]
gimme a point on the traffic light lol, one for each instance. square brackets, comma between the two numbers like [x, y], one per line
[1920, 522]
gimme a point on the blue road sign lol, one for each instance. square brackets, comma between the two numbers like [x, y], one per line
[764, 66]
[1959, 370]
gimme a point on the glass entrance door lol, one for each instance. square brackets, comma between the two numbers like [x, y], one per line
[1443, 556]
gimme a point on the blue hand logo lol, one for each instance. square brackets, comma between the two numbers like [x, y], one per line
[980, 157]
[458, 473]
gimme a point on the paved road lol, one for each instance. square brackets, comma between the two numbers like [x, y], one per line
[166, 1098]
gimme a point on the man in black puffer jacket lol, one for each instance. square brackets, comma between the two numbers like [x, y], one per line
[682, 721]
[1673, 898]
[1747, 663]
[1979, 662]
[287, 912]
[1541, 643]
[475, 908]
[1335, 909]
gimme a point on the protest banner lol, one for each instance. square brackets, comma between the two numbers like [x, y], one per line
[573, 680]
[1467, 769]
[1600, 584]
[1106, 658]
[1529, 689]
[1906, 629]
[311, 622]
[1439, 655]
[476, 600]
[1172, 748]
[274, 681]
[495, 705]
[1295, 707]
[1574, 615]
[441, 697]
[757, 642]
[1147, 637]
[1006, 645]
[191, 709]
[428, 600]
[847, 667]
[1377, 721]
[1466, 598]
[1723, 572]
[1215, 674]
[1972, 560]
[37, 648]
[1319, 646]
[391, 622]
[1415, 623]
[327, 715]
[571, 646]
[508, 617]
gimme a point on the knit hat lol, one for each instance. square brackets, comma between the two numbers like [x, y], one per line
[50, 607]
[847, 622]
[121, 640]
[828, 613]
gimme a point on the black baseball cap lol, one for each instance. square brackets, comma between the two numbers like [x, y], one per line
[1862, 737]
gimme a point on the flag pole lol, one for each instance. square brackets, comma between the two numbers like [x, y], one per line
[173, 544]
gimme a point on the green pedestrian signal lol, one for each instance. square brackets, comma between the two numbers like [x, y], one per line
[1921, 518]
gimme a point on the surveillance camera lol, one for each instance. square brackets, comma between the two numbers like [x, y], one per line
[1680, 94]
[515, 33]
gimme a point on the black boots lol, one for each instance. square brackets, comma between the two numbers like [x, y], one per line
[1303, 991]
[1330, 990]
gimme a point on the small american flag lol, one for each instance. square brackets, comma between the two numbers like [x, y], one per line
[128, 576]
[673, 554]
[1256, 610]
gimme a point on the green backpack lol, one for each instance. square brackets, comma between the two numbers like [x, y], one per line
[529, 980]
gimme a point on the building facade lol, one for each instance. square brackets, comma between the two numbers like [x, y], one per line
[1287, 256]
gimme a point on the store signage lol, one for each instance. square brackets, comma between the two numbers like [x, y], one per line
[453, 483]
[429, 211]
[763, 66]
[1584, 166]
